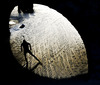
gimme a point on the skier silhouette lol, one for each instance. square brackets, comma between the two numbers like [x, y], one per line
[27, 47]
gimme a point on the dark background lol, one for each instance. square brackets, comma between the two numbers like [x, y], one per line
[84, 15]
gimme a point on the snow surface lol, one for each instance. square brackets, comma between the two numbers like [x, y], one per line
[54, 40]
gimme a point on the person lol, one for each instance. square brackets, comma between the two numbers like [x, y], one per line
[25, 6]
[27, 47]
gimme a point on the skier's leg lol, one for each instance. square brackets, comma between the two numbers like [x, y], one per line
[26, 60]
[34, 56]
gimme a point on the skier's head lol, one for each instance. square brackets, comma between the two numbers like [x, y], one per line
[23, 37]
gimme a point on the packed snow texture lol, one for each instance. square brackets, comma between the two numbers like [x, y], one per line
[54, 40]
